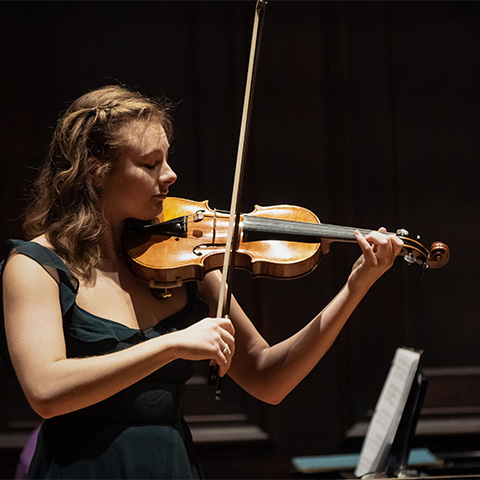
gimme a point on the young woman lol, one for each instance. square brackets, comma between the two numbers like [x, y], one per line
[100, 357]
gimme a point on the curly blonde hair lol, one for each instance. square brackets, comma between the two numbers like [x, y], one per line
[66, 198]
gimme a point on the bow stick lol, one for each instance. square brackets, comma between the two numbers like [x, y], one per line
[223, 307]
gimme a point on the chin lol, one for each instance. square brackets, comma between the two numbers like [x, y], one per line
[155, 212]
[147, 215]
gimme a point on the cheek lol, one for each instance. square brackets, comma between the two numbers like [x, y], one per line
[138, 183]
[131, 187]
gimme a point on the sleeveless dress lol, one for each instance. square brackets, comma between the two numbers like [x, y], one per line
[137, 433]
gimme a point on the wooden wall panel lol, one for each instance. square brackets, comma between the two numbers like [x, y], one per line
[365, 112]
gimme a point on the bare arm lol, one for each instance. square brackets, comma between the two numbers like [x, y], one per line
[54, 384]
[271, 372]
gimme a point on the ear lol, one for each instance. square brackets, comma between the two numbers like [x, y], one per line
[96, 171]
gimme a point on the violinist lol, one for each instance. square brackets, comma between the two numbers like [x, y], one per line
[99, 357]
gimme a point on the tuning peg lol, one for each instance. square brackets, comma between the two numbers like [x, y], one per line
[410, 259]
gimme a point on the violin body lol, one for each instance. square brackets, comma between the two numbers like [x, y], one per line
[170, 256]
[188, 240]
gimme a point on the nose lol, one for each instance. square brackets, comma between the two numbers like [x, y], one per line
[167, 175]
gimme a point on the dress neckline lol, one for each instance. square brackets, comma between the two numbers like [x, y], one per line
[161, 324]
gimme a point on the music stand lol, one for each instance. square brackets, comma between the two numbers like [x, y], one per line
[391, 430]
[397, 460]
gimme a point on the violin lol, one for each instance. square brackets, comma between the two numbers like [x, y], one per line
[188, 240]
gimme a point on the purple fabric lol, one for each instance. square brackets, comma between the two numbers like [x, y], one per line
[26, 455]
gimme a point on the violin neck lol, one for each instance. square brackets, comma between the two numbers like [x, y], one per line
[263, 228]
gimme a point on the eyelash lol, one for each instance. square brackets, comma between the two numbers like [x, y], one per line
[152, 167]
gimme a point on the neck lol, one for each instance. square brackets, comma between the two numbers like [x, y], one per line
[112, 249]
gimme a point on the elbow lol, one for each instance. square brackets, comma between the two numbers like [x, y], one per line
[44, 405]
[265, 393]
[45, 409]
[271, 397]
[50, 410]
[275, 400]
[43, 413]
[265, 389]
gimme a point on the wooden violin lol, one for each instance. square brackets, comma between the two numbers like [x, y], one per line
[188, 240]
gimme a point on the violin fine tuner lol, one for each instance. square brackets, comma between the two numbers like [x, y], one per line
[198, 216]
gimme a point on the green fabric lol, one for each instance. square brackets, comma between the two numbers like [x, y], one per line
[137, 433]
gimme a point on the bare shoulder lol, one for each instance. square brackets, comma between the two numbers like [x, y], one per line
[22, 272]
[30, 299]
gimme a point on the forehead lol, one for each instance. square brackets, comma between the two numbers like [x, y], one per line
[145, 137]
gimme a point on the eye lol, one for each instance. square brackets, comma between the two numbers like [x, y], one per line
[152, 166]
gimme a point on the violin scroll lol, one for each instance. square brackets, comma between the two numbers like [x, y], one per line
[436, 256]
[439, 255]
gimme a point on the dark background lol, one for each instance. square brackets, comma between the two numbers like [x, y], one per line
[366, 113]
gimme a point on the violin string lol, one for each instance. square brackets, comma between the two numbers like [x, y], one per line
[322, 230]
[306, 229]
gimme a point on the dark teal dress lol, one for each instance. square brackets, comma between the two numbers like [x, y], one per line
[135, 434]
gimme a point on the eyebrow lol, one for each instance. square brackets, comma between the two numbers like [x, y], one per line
[155, 151]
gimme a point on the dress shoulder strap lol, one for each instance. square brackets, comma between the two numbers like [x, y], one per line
[55, 266]
[46, 257]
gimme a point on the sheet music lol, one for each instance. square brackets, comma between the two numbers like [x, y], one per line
[388, 411]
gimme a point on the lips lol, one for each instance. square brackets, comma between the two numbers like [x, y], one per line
[160, 196]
